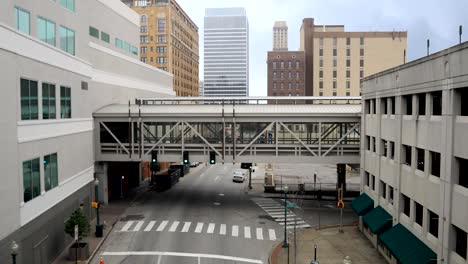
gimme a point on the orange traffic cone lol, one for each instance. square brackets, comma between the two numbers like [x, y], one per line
[101, 261]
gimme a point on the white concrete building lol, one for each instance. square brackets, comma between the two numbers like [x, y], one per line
[414, 158]
[280, 36]
[226, 52]
[61, 61]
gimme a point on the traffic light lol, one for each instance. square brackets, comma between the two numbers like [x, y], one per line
[154, 160]
[186, 157]
[212, 157]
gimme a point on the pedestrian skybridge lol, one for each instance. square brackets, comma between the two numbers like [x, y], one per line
[246, 129]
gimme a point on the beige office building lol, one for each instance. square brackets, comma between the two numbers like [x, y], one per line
[169, 41]
[280, 36]
[338, 59]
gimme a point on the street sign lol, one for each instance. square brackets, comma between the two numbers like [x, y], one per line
[76, 232]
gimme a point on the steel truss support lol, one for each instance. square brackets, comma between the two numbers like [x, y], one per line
[115, 138]
[204, 140]
[298, 139]
[342, 138]
[255, 139]
[161, 139]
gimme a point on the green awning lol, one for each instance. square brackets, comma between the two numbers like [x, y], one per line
[406, 247]
[378, 220]
[362, 204]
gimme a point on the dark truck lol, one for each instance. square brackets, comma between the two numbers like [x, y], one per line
[183, 168]
[166, 179]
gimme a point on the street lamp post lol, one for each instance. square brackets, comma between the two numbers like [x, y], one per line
[250, 178]
[285, 241]
[14, 251]
[99, 227]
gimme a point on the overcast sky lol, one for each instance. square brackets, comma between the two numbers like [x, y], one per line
[437, 20]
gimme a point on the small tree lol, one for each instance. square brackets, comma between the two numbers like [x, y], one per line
[77, 218]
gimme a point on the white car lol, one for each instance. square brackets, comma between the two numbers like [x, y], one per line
[238, 176]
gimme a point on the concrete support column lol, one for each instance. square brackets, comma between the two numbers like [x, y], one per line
[398, 151]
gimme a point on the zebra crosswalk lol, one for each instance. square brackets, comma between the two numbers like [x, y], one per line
[246, 232]
[276, 210]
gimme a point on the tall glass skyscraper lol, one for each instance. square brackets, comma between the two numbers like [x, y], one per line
[226, 52]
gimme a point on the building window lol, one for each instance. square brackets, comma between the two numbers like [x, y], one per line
[298, 86]
[127, 46]
[144, 59]
[289, 64]
[406, 155]
[361, 63]
[361, 74]
[274, 65]
[119, 43]
[94, 32]
[462, 172]
[29, 100]
[348, 74]
[282, 65]
[366, 178]
[361, 40]
[348, 52]
[435, 163]
[65, 102]
[134, 50]
[320, 52]
[162, 39]
[383, 189]
[406, 205]
[274, 75]
[373, 182]
[320, 74]
[22, 20]
[390, 194]
[334, 74]
[348, 63]
[334, 84]
[143, 29]
[68, 4]
[419, 213]
[335, 52]
[321, 63]
[408, 101]
[334, 63]
[334, 93]
[367, 106]
[298, 75]
[384, 147]
[433, 223]
[348, 84]
[420, 156]
[105, 37]
[289, 86]
[348, 93]
[143, 19]
[392, 149]
[297, 64]
[460, 242]
[392, 105]
[384, 104]
[143, 50]
[361, 52]
[298, 94]
[274, 94]
[274, 86]
[320, 93]
[67, 40]
[462, 93]
[50, 171]
[320, 84]
[161, 25]
[161, 49]
[281, 75]
[421, 104]
[46, 30]
[282, 86]
[143, 39]
[374, 106]
[335, 40]
[368, 142]
[161, 59]
[48, 101]
[436, 103]
[289, 75]
[321, 41]
[31, 179]
[374, 149]
[348, 41]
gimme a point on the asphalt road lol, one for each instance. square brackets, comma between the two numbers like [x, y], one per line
[205, 218]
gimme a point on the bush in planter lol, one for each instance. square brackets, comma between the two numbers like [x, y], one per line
[78, 249]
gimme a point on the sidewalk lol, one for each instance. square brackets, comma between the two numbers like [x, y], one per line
[110, 215]
[332, 247]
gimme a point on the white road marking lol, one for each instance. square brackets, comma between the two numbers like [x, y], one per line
[149, 226]
[174, 226]
[138, 226]
[217, 203]
[221, 194]
[162, 226]
[159, 259]
[298, 226]
[186, 227]
[182, 254]
[127, 226]
[259, 233]
[272, 234]
[216, 178]
[247, 232]
[222, 229]
[211, 228]
[292, 223]
[199, 228]
[235, 231]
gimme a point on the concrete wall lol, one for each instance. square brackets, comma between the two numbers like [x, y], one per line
[444, 71]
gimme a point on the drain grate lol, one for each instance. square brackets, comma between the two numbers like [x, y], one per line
[132, 217]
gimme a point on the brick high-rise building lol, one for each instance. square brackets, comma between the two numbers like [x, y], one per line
[286, 73]
[169, 41]
[336, 60]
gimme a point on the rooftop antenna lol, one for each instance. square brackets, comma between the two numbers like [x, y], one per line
[428, 45]
[460, 32]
